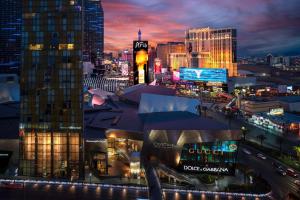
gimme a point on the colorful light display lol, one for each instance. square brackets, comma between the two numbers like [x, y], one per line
[204, 74]
[140, 58]
[210, 157]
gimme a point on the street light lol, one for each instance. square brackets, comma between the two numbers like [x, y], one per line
[244, 132]
[90, 175]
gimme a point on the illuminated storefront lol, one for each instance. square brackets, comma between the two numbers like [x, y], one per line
[277, 121]
[48, 154]
[212, 157]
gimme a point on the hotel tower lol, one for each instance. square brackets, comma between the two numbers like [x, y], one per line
[51, 124]
[212, 48]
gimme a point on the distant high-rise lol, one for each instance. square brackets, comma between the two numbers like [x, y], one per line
[93, 30]
[10, 30]
[163, 51]
[269, 59]
[51, 123]
[177, 60]
[213, 48]
[139, 74]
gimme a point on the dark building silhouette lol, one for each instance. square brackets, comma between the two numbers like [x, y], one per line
[93, 31]
[10, 30]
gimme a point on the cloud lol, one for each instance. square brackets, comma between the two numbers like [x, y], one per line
[263, 25]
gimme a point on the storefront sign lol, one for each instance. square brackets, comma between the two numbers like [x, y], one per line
[205, 169]
[164, 145]
[217, 157]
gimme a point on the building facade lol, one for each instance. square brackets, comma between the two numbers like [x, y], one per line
[163, 51]
[51, 121]
[177, 60]
[10, 34]
[93, 31]
[212, 48]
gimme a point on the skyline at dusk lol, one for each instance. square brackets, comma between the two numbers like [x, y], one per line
[263, 26]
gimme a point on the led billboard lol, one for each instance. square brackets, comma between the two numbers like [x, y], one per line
[140, 62]
[204, 74]
[209, 157]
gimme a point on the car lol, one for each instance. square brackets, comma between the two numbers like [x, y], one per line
[297, 182]
[261, 156]
[276, 165]
[281, 171]
[246, 151]
[291, 173]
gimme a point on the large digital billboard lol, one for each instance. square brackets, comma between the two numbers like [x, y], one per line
[204, 74]
[140, 62]
[209, 157]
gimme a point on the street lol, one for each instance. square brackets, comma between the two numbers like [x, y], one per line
[281, 185]
[289, 141]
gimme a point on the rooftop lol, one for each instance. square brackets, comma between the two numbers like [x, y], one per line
[134, 96]
[285, 118]
[289, 99]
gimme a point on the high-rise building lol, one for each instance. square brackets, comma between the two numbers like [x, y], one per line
[164, 50]
[140, 70]
[93, 31]
[269, 59]
[215, 48]
[177, 60]
[126, 55]
[51, 121]
[10, 30]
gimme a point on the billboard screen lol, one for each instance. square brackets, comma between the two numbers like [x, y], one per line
[209, 157]
[204, 74]
[140, 62]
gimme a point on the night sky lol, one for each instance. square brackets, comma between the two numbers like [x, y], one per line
[263, 25]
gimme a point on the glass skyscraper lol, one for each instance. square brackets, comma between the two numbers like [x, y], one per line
[93, 30]
[10, 30]
[51, 124]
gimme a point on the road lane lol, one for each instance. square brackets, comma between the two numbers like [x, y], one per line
[281, 185]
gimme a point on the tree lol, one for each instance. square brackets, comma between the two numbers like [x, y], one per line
[244, 132]
[261, 138]
[279, 140]
[297, 149]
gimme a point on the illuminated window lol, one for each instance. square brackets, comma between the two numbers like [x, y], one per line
[28, 15]
[66, 46]
[36, 47]
[72, 2]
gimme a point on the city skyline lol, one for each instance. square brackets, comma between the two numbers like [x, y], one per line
[255, 22]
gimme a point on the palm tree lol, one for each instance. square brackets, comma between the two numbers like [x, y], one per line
[244, 132]
[261, 138]
[279, 140]
[297, 149]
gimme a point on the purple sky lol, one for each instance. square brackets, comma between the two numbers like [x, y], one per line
[263, 25]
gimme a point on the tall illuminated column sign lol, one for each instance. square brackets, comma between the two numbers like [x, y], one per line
[140, 58]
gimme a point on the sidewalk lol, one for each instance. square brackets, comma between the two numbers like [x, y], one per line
[114, 180]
